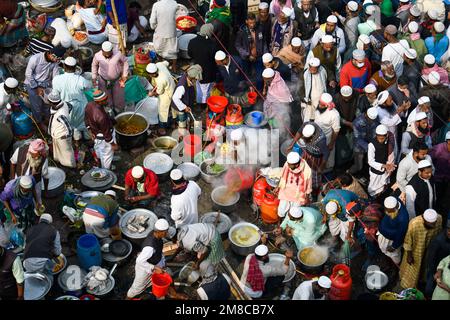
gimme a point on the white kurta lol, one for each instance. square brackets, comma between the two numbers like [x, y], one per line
[162, 20]
[93, 23]
[377, 181]
[393, 52]
[385, 243]
[5, 98]
[184, 206]
[338, 227]
[305, 291]
[165, 86]
[61, 133]
[411, 196]
[391, 121]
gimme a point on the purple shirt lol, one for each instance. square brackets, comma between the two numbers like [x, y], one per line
[16, 204]
[441, 160]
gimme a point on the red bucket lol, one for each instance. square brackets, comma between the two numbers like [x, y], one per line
[239, 179]
[252, 96]
[192, 145]
[160, 284]
[217, 103]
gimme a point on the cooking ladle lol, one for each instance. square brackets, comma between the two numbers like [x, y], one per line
[137, 109]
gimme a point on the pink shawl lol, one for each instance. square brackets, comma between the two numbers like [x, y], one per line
[279, 90]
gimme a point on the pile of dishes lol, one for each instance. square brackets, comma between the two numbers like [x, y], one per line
[98, 179]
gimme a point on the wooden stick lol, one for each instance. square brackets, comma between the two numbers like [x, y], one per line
[116, 22]
[115, 186]
[235, 278]
[233, 289]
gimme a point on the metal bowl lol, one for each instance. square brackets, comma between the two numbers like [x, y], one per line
[190, 170]
[313, 268]
[209, 178]
[110, 284]
[64, 265]
[165, 144]
[159, 163]
[130, 214]
[36, 285]
[71, 280]
[230, 205]
[223, 225]
[375, 279]
[238, 248]
[56, 177]
[277, 257]
[110, 257]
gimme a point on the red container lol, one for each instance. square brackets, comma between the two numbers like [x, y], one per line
[142, 58]
[239, 179]
[186, 29]
[252, 96]
[160, 284]
[341, 283]
[234, 115]
[259, 190]
[217, 104]
[192, 145]
[269, 208]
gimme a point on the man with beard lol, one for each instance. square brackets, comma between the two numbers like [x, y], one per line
[356, 73]
[438, 249]
[421, 230]
[392, 229]
[420, 192]
[329, 120]
[411, 70]
[368, 99]
[295, 184]
[418, 131]
[31, 159]
[261, 276]
[364, 127]
[265, 21]
[283, 30]
[313, 289]
[329, 58]
[385, 77]
[315, 84]
[313, 142]
[307, 19]
[407, 168]
[430, 65]
[381, 161]
[330, 28]
[61, 131]
[294, 55]
[423, 105]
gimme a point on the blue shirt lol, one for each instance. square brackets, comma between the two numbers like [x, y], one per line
[395, 229]
[121, 9]
[437, 49]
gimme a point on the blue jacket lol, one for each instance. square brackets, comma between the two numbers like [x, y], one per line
[437, 49]
[395, 229]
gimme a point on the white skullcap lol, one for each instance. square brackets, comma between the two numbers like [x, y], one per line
[352, 5]
[176, 174]
[447, 135]
[434, 78]
[382, 96]
[296, 42]
[364, 38]
[411, 54]
[26, 182]
[293, 158]
[220, 55]
[324, 282]
[267, 57]
[346, 91]
[381, 130]
[111, 193]
[70, 61]
[314, 62]
[326, 98]
[77, 134]
[54, 97]
[423, 100]
[372, 113]
[308, 130]
[263, 5]
[439, 26]
[261, 250]
[332, 19]
[430, 215]
[424, 164]
[358, 54]
[390, 203]
[296, 212]
[287, 11]
[433, 14]
[404, 1]
[151, 68]
[47, 217]
[370, 88]
[420, 116]
[236, 135]
[413, 27]
[11, 83]
[370, 10]
[331, 207]
[327, 38]
[268, 73]
[429, 59]
[161, 225]
[415, 11]
[137, 172]
[107, 46]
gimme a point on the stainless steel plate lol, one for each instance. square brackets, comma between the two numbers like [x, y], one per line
[36, 286]
[57, 177]
[159, 163]
[130, 214]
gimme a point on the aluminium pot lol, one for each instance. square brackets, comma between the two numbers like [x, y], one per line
[165, 144]
[316, 268]
[228, 207]
[209, 178]
[242, 250]
[130, 141]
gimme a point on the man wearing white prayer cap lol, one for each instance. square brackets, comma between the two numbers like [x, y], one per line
[263, 5]
[412, 69]
[184, 199]
[420, 191]
[356, 72]
[220, 55]
[330, 27]
[150, 260]
[268, 73]
[423, 105]
[437, 42]
[315, 80]
[434, 78]
[392, 229]
[313, 289]
[8, 90]
[421, 230]
[141, 186]
[431, 65]
[350, 22]
[418, 131]
[260, 275]
[283, 30]
[294, 55]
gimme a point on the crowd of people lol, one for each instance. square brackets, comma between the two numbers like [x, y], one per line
[364, 86]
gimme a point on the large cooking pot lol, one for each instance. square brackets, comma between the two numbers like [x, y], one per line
[165, 144]
[190, 170]
[56, 179]
[312, 259]
[131, 140]
[243, 249]
[207, 177]
[224, 205]
[71, 280]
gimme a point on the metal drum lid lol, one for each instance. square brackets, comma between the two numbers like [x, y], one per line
[91, 183]
[190, 170]
[56, 178]
[158, 162]
[36, 286]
